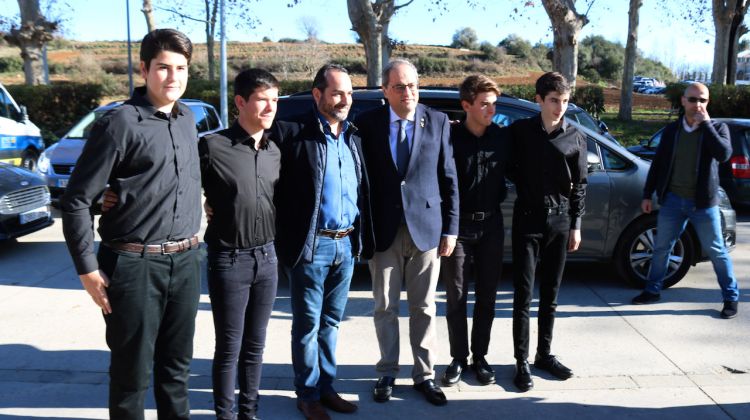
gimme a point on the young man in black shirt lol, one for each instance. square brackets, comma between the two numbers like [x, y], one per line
[240, 169]
[146, 275]
[481, 151]
[549, 170]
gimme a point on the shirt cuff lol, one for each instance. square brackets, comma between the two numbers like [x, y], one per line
[445, 235]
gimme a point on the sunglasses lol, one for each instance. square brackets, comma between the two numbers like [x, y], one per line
[693, 99]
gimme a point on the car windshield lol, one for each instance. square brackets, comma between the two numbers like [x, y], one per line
[585, 120]
[81, 130]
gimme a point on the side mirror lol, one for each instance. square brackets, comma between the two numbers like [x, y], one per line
[603, 126]
[24, 113]
[593, 162]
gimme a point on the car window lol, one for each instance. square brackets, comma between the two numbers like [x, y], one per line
[212, 120]
[83, 127]
[450, 107]
[612, 161]
[505, 114]
[655, 139]
[200, 117]
[585, 120]
[4, 111]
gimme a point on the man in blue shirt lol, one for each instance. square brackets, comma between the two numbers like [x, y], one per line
[321, 215]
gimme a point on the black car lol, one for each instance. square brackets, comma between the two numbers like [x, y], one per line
[734, 174]
[614, 228]
[24, 202]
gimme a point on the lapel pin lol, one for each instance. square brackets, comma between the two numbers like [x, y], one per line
[421, 122]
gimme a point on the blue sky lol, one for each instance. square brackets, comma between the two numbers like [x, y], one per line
[674, 42]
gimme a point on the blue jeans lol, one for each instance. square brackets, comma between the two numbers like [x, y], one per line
[674, 214]
[319, 291]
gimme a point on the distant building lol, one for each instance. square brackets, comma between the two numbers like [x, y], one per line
[743, 65]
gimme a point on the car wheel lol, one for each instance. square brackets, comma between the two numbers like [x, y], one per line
[29, 160]
[633, 254]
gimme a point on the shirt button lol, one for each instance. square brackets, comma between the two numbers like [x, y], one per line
[177, 217]
[179, 192]
[177, 147]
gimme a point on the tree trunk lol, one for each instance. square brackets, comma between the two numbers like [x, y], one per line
[148, 13]
[211, 12]
[736, 31]
[30, 36]
[723, 14]
[370, 19]
[566, 26]
[626, 93]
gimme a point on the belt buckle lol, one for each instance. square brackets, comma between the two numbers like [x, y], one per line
[479, 216]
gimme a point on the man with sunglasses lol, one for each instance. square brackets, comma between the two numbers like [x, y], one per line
[685, 177]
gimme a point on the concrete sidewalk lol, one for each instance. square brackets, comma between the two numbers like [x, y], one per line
[674, 359]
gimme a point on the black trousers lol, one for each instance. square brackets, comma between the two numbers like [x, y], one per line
[154, 301]
[478, 255]
[537, 238]
[242, 286]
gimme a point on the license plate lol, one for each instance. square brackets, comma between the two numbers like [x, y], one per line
[62, 183]
[31, 215]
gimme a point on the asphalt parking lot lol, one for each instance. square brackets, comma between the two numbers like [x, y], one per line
[676, 359]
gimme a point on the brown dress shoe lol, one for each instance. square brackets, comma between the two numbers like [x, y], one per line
[313, 410]
[337, 404]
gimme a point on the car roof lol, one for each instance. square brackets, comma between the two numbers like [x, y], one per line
[115, 104]
[744, 122]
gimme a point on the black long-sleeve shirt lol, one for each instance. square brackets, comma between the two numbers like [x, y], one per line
[239, 182]
[480, 163]
[549, 169]
[150, 160]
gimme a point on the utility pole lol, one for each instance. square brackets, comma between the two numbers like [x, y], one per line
[223, 69]
[130, 47]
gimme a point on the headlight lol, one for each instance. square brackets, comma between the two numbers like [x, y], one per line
[724, 199]
[42, 165]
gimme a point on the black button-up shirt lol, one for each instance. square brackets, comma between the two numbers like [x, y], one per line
[239, 181]
[150, 160]
[480, 163]
[549, 169]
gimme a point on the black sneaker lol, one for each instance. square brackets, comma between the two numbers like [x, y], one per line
[553, 366]
[453, 372]
[645, 298]
[485, 373]
[730, 309]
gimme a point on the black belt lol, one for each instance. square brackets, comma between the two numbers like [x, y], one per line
[556, 210]
[476, 216]
[335, 234]
[549, 211]
[170, 247]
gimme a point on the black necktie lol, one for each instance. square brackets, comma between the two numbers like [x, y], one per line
[402, 149]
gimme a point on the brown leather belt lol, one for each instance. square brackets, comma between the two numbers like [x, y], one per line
[171, 247]
[335, 234]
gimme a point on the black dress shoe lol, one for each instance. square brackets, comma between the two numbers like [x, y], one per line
[384, 388]
[522, 379]
[431, 392]
[729, 310]
[485, 373]
[645, 298]
[453, 372]
[553, 366]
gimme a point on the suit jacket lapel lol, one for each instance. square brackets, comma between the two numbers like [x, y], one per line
[419, 126]
[385, 135]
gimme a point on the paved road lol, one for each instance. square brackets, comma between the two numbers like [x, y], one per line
[674, 359]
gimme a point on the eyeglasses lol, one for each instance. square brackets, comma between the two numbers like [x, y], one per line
[402, 88]
[693, 99]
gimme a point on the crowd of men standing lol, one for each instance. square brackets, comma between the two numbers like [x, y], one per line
[299, 200]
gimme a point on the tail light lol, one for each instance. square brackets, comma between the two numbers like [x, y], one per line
[740, 167]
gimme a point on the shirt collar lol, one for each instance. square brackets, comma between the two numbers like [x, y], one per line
[144, 107]
[686, 127]
[327, 127]
[396, 118]
[237, 134]
[563, 126]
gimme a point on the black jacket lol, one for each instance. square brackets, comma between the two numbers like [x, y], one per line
[298, 192]
[715, 147]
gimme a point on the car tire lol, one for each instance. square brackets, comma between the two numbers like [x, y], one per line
[29, 159]
[633, 254]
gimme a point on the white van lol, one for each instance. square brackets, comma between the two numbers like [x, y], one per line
[21, 142]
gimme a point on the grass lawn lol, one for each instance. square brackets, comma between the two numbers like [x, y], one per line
[645, 123]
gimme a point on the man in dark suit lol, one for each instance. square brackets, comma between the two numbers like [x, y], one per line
[414, 198]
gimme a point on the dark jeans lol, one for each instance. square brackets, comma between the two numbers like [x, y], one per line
[319, 291]
[478, 255]
[242, 286]
[537, 236]
[154, 301]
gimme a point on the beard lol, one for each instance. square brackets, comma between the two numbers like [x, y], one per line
[338, 113]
